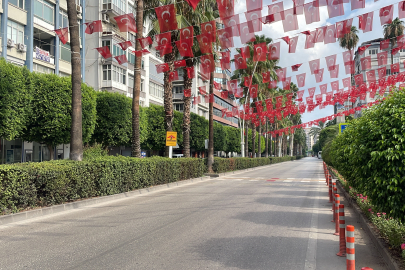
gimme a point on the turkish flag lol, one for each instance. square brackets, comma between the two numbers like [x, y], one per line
[335, 8]
[343, 28]
[311, 11]
[310, 40]
[346, 82]
[362, 49]
[92, 27]
[334, 72]
[394, 68]
[330, 61]
[179, 63]
[358, 79]
[247, 81]
[309, 100]
[370, 75]
[163, 39]
[382, 58]
[193, 3]
[209, 29]
[356, 4]
[186, 33]
[225, 8]
[335, 86]
[365, 62]
[281, 74]
[240, 62]
[300, 94]
[173, 76]
[226, 56]
[384, 44]
[232, 85]
[290, 22]
[296, 67]
[301, 80]
[330, 34]
[246, 33]
[279, 99]
[347, 58]
[318, 98]
[254, 4]
[306, 32]
[253, 91]
[205, 43]
[245, 52]
[238, 92]
[185, 47]
[124, 45]
[208, 59]
[166, 16]
[197, 100]
[319, 76]
[126, 23]
[141, 53]
[286, 39]
[162, 68]
[217, 85]
[224, 94]
[146, 41]
[187, 92]
[324, 88]
[253, 19]
[395, 50]
[225, 38]
[401, 10]
[277, 10]
[260, 52]
[401, 41]
[298, 7]
[274, 51]
[105, 52]
[272, 84]
[190, 72]
[286, 83]
[311, 92]
[164, 49]
[266, 77]
[386, 14]
[233, 23]
[314, 65]
[366, 22]
[320, 34]
[225, 60]
[63, 34]
[292, 46]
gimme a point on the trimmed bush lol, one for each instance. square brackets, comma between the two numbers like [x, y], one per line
[222, 165]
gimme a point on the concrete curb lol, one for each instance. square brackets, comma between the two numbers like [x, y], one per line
[7, 219]
[391, 263]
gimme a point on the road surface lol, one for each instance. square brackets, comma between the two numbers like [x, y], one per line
[275, 217]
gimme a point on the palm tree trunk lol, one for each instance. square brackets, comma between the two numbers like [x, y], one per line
[136, 137]
[253, 140]
[211, 128]
[168, 96]
[186, 113]
[267, 142]
[291, 144]
[259, 143]
[76, 140]
[247, 139]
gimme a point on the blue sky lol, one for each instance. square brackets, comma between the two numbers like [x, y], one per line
[275, 31]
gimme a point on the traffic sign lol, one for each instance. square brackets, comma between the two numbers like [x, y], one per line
[342, 127]
[171, 138]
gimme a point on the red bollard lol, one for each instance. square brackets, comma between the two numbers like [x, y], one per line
[366, 268]
[350, 259]
[342, 239]
[330, 189]
[337, 203]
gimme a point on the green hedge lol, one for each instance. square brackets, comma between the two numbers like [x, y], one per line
[222, 165]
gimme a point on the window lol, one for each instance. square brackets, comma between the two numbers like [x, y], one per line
[15, 31]
[118, 5]
[118, 74]
[131, 9]
[107, 73]
[63, 19]
[42, 69]
[142, 89]
[117, 51]
[65, 53]
[179, 107]
[218, 70]
[388, 72]
[17, 3]
[131, 58]
[132, 38]
[131, 80]
[373, 51]
[218, 80]
[44, 10]
[178, 89]
[156, 90]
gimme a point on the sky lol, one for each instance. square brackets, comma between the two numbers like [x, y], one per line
[320, 51]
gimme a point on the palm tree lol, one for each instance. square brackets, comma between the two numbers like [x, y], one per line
[136, 137]
[314, 131]
[393, 30]
[76, 140]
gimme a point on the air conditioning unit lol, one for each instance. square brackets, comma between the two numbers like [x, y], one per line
[102, 62]
[21, 47]
[79, 9]
[106, 18]
[10, 43]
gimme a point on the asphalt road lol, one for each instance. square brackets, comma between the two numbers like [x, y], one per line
[275, 217]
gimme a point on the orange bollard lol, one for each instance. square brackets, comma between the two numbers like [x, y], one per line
[366, 268]
[337, 203]
[342, 239]
[330, 189]
[350, 259]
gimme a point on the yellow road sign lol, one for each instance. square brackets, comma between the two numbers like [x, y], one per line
[171, 138]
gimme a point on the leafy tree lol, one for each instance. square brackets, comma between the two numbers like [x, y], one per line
[15, 99]
[233, 139]
[198, 132]
[392, 31]
[50, 119]
[219, 138]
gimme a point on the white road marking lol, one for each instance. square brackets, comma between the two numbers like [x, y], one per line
[305, 181]
[287, 181]
[291, 178]
[310, 259]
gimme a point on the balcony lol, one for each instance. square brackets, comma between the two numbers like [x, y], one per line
[112, 30]
[112, 10]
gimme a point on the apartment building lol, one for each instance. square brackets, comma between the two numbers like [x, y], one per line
[27, 39]
[372, 51]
